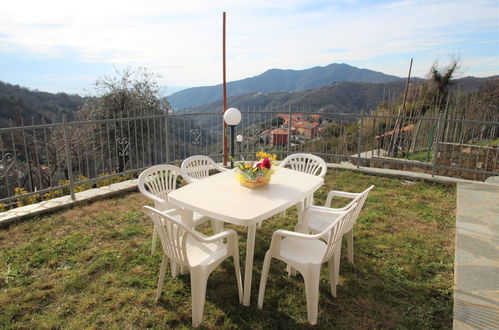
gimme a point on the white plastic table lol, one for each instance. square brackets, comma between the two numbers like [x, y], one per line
[221, 197]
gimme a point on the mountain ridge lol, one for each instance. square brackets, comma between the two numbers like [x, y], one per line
[274, 80]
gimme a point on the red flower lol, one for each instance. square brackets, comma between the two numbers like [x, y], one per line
[265, 163]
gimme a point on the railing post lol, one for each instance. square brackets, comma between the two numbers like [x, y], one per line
[360, 138]
[435, 144]
[289, 131]
[167, 145]
[68, 157]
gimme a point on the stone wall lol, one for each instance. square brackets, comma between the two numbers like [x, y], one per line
[460, 156]
[467, 156]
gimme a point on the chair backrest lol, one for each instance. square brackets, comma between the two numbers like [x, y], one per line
[158, 181]
[197, 167]
[307, 163]
[361, 199]
[172, 233]
[333, 233]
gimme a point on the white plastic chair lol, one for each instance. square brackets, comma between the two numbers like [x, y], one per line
[318, 223]
[307, 163]
[198, 167]
[155, 183]
[199, 253]
[306, 253]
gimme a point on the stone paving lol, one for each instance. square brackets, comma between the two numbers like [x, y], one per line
[476, 269]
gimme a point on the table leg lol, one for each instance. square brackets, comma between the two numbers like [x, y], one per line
[248, 268]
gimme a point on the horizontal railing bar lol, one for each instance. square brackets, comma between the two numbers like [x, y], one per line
[353, 115]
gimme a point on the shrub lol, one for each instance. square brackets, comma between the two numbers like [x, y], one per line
[26, 200]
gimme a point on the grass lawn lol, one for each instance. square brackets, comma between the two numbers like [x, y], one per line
[91, 267]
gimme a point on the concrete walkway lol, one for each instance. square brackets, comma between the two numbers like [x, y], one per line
[476, 269]
[65, 201]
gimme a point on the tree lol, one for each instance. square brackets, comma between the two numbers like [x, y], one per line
[129, 93]
[128, 143]
[440, 82]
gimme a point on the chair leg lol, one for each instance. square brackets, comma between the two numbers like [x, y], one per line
[161, 279]
[263, 280]
[332, 276]
[154, 239]
[174, 268]
[237, 268]
[198, 292]
[283, 214]
[336, 257]
[349, 237]
[311, 277]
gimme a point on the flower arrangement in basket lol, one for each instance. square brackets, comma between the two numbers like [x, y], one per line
[258, 173]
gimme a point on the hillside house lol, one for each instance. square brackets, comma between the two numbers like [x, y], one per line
[306, 129]
[279, 137]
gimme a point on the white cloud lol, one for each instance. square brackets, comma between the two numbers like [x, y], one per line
[181, 40]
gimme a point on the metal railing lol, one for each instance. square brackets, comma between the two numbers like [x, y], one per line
[46, 160]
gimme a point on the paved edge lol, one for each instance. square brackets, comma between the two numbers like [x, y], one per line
[65, 201]
[403, 174]
[476, 267]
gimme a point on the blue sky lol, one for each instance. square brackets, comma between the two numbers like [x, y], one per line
[62, 46]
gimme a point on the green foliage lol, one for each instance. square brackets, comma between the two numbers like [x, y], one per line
[3, 207]
[53, 194]
[26, 200]
[82, 186]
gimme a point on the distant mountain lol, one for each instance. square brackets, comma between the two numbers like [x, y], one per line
[344, 97]
[18, 102]
[275, 80]
[340, 97]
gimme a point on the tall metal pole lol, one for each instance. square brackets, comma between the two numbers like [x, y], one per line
[224, 93]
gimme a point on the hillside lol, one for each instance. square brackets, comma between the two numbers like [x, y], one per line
[347, 97]
[275, 80]
[19, 102]
[344, 97]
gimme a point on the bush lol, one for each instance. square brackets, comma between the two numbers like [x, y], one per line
[53, 194]
[26, 200]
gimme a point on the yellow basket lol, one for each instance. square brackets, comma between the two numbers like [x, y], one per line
[261, 181]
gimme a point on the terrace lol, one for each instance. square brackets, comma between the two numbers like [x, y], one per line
[91, 266]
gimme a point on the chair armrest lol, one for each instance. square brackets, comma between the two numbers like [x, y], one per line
[344, 194]
[216, 237]
[281, 233]
[152, 197]
[327, 210]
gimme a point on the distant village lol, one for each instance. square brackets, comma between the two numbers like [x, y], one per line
[301, 126]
